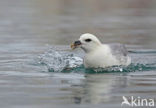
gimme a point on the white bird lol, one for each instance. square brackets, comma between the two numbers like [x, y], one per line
[101, 55]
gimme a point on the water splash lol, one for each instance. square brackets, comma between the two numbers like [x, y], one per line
[59, 61]
[62, 61]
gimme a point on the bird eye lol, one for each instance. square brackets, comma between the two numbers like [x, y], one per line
[88, 40]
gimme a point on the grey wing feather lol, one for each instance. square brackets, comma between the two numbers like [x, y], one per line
[118, 50]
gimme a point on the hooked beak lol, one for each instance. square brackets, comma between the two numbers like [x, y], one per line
[75, 44]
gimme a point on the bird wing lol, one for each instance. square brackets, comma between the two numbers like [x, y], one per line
[118, 49]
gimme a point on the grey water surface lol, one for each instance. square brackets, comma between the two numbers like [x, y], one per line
[39, 70]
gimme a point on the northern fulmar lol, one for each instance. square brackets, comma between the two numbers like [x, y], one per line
[100, 55]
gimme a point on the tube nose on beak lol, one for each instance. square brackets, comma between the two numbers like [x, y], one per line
[75, 44]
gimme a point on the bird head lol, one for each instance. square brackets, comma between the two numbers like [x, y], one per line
[88, 42]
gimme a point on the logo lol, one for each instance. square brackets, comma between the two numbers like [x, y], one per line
[137, 102]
